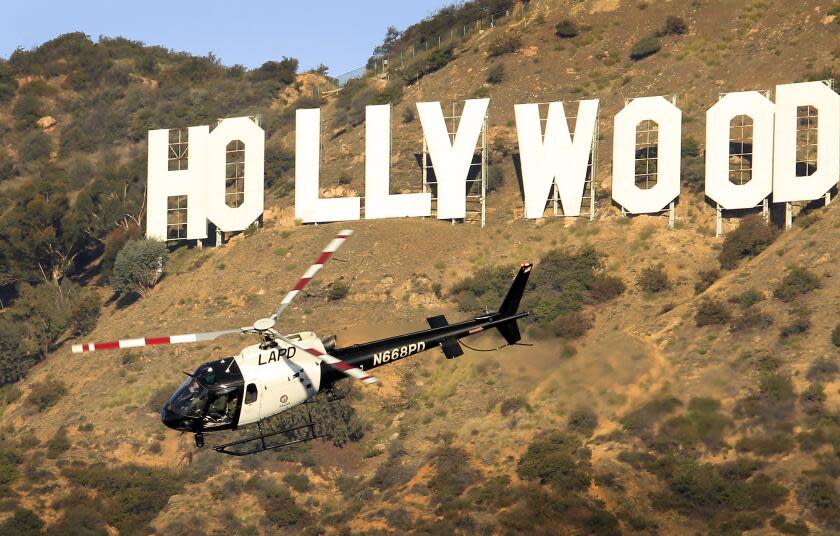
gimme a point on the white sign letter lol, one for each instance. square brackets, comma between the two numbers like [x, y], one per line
[379, 203]
[452, 161]
[308, 206]
[624, 190]
[177, 167]
[718, 120]
[228, 142]
[787, 186]
[557, 158]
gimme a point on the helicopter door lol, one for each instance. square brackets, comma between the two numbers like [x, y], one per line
[251, 405]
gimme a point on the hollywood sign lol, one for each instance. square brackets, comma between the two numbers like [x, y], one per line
[218, 175]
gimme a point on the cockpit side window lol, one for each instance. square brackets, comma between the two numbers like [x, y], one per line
[251, 393]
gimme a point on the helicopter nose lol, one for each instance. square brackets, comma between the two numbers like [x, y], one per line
[170, 419]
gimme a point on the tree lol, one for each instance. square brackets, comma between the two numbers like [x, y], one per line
[566, 29]
[139, 266]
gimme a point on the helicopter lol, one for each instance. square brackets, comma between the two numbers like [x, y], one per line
[283, 371]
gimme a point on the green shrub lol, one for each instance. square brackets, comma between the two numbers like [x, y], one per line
[653, 279]
[769, 444]
[22, 523]
[453, 473]
[513, 405]
[752, 318]
[8, 83]
[823, 369]
[138, 266]
[495, 178]
[703, 423]
[797, 528]
[408, 115]
[85, 313]
[391, 94]
[605, 287]
[748, 298]
[673, 26]
[821, 495]
[706, 278]
[751, 237]
[8, 169]
[647, 46]
[298, 482]
[485, 288]
[46, 393]
[131, 495]
[712, 312]
[496, 74]
[559, 460]
[58, 444]
[835, 336]
[799, 324]
[504, 44]
[566, 29]
[570, 325]
[9, 468]
[641, 420]
[338, 291]
[797, 281]
[582, 420]
[27, 110]
[36, 147]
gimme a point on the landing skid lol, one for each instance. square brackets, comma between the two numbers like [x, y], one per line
[257, 443]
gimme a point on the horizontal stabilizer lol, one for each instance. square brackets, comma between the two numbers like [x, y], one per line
[451, 348]
[437, 321]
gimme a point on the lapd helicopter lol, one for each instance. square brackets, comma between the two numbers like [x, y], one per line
[283, 371]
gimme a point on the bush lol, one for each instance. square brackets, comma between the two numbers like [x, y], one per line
[485, 288]
[338, 291]
[7, 166]
[797, 281]
[706, 278]
[132, 495]
[139, 266]
[751, 237]
[408, 115]
[673, 26]
[513, 405]
[8, 83]
[46, 393]
[566, 29]
[799, 324]
[22, 523]
[36, 147]
[653, 279]
[751, 319]
[583, 421]
[58, 444]
[559, 460]
[748, 298]
[452, 474]
[570, 326]
[496, 74]
[647, 46]
[766, 444]
[298, 482]
[712, 312]
[823, 369]
[85, 313]
[605, 287]
[821, 495]
[495, 178]
[504, 44]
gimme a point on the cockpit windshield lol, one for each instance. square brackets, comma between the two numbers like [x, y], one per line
[189, 399]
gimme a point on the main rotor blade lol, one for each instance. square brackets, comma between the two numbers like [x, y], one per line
[325, 255]
[149, 341]
[353, 372]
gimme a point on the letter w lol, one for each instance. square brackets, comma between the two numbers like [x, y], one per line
[554, 158]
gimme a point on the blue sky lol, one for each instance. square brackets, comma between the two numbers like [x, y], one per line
[339, 34]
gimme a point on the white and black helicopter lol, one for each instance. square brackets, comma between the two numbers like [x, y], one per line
[283, 371]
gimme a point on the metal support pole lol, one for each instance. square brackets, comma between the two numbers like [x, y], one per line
[672, 215]
[827, 197]
[484, 173]
[718, 220]
[765, 210]
[788, 215]
[218, 238]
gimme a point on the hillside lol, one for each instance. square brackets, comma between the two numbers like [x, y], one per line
[704, 402]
